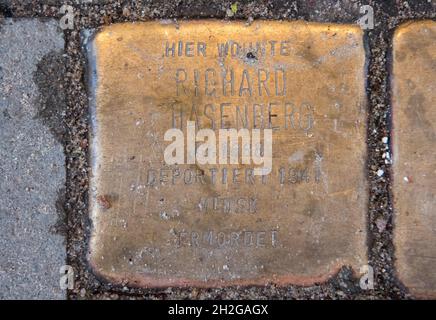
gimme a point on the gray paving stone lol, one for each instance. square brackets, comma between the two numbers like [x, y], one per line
[32, 171]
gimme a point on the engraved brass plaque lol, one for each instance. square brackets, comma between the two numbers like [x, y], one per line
[197, 223]
[414, 158]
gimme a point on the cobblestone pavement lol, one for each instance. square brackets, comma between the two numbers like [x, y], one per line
[44, 150]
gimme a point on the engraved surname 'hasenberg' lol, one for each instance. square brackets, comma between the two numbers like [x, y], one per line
[272, 115]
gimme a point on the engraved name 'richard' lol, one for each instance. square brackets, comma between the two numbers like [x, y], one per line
[232, 82]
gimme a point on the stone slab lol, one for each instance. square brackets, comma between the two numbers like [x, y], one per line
[157, 225]
[414, 158]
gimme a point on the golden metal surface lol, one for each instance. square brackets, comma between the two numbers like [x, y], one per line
[414, 161]
[159, 225]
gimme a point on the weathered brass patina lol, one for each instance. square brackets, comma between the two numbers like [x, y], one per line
[212, 225]
[414, 161]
